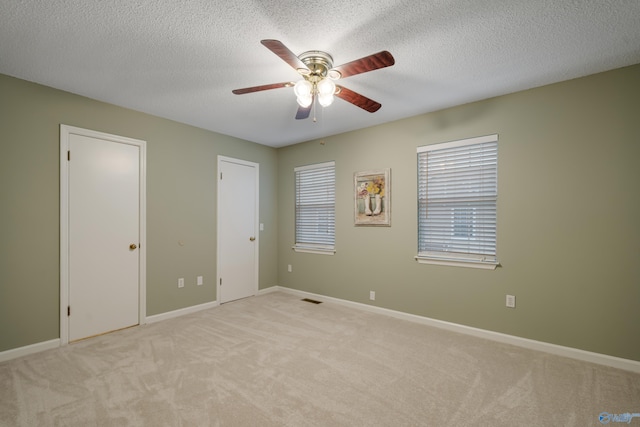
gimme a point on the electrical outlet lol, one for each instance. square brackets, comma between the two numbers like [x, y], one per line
[199, 281]
[511, 301]
[289, 268]
[181, 282]
[372, 295]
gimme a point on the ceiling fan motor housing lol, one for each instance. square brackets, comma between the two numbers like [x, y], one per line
[319, 64]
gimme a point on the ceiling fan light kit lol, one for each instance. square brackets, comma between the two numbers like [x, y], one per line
[316, 81]
[318, 75]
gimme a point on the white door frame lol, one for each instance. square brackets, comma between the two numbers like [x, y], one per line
[65, 133]
[256, 223]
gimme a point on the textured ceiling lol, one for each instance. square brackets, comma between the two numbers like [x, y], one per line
[180, 59]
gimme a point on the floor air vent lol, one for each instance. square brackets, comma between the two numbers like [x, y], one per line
[311, 301]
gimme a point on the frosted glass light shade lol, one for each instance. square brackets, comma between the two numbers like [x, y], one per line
[325, 100]
[326, 87]
[302, 88]
[304, 101]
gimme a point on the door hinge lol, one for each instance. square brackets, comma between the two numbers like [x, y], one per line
[69, 155]
[68, 310]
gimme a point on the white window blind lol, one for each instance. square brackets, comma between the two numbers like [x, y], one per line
[457, 196]
[315, 208]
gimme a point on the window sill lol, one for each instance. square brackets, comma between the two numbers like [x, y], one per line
[484, 265]
[312, 250]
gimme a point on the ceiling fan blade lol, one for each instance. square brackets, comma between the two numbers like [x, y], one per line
[358, 100]
[263, 87]
[303, 112]
[285, 54]
[368, 63]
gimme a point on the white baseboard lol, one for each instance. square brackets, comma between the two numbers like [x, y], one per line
[55, 343]
[273, 289]
[181, 312]
[574, 353]
[29, 349]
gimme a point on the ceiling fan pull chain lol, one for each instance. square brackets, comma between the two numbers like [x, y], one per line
[315, 108]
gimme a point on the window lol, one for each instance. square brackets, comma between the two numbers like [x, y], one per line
[457, 196]
[315, 208]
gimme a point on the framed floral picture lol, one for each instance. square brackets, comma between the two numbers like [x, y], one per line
[372, 196]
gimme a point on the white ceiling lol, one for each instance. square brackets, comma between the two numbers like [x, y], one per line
[180, 59]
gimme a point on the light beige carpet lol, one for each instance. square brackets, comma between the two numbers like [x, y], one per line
[274, 360]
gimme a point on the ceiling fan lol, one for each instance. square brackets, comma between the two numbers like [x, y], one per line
[316, 68]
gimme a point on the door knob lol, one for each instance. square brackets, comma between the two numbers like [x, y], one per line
[132, 246]
[252, 238]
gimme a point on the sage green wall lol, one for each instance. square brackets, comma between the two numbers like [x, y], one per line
[568, 208]
[568, 215]
[181, 205]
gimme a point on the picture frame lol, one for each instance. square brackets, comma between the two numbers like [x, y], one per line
[372, 198]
